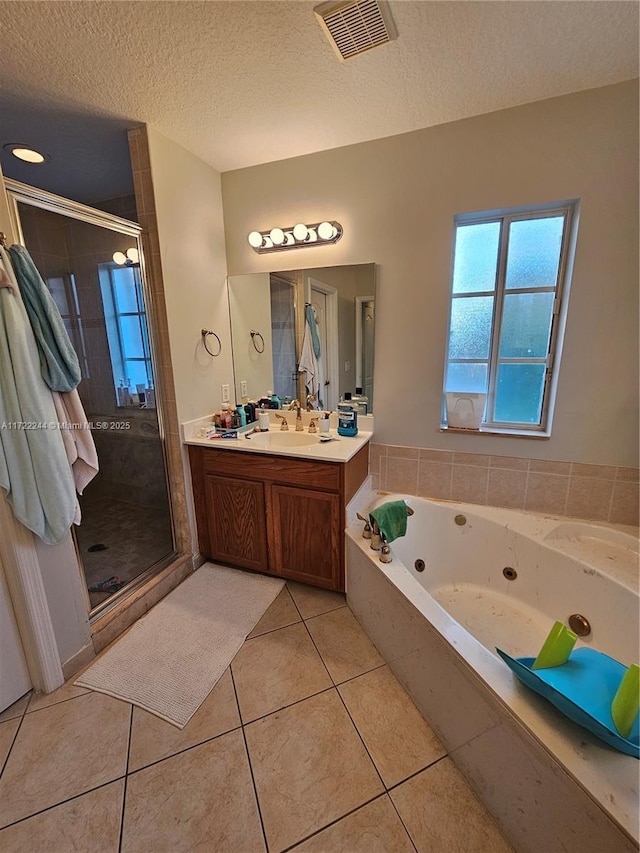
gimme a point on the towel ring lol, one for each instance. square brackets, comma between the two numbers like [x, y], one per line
[205, 333]
[255, 335]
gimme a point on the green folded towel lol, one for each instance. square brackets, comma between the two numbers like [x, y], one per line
[391, 519]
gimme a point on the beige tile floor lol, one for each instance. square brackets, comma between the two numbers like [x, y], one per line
[307, 743]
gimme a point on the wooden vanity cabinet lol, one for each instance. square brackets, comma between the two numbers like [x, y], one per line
[275, 514]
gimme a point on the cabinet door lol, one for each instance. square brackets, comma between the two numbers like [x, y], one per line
[236, 521]
[306, 536]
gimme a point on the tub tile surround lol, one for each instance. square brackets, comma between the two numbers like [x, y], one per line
[594, 492]
[536, 801]
[340, 765]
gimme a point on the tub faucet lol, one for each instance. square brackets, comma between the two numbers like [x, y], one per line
[376, 539]
[385, 554]
[366, 533]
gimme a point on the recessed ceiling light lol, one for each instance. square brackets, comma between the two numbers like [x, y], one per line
[23, 152]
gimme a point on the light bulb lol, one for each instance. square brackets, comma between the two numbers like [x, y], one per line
[268, 243]
[312, 236]
[28, 155]
[277, 236]
[326, 231]
[120, 258]
[300, 231]
[133, 255]
[289, 239]
[255, 239]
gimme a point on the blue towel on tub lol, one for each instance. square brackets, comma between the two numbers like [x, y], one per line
[58, 360]
[391, 518]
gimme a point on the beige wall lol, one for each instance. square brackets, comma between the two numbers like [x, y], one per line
[396, 198]
[188, 208]
[250, 309]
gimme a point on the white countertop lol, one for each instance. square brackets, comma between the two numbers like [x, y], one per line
[339, 449]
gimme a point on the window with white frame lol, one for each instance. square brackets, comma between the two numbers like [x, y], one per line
[509, 292]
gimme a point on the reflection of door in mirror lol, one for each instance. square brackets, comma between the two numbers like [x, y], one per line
[324, 301]
[126, 533]
[365, 316]
[252, 302]
[283, 337]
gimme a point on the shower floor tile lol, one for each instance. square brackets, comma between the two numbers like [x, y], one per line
[135, 535]
[324, 769]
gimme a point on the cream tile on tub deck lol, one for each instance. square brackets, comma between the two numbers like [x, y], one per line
[153, 738]
[277, 669]
[310, 768]
[201, 799]
[375, 828]
[443, 815]
[90, 822]
[62, 751]
[344, 646]
[396, 735]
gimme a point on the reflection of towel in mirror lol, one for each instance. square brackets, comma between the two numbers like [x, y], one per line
[308, 363]
[391, 519]
[58, 360]
[34, 471]
[78, 441]
[310, 314]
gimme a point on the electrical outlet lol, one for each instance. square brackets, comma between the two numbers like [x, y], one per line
[347, 366]
[225, 394]
[243, 388]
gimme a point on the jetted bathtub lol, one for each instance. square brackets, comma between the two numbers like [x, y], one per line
[466, 579]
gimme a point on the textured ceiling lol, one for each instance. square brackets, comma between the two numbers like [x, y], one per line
[240, 83]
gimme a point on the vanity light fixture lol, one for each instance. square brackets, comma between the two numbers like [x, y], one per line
[131, 257]
[295, 237]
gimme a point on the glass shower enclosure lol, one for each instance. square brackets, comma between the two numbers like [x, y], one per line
[91, 261]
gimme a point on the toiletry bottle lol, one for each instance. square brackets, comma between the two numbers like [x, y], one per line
[250, 409]
[347, 419]
[275, 401]
[242, 415]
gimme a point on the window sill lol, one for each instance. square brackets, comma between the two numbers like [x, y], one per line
[508, 433]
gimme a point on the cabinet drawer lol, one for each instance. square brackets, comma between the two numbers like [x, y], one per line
[274, 469]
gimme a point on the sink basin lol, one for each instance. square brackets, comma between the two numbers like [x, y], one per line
[283, 439]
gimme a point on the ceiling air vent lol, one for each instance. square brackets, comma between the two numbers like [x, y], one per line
[353, 27]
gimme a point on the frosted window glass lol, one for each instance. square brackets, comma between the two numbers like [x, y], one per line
[469, 376]
[476, 257]
[519, 393]
[470, 333]
[526, 325]
[125, 290]
[534, 252]
[131, 337]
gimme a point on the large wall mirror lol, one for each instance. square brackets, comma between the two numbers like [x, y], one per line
[278, 318]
